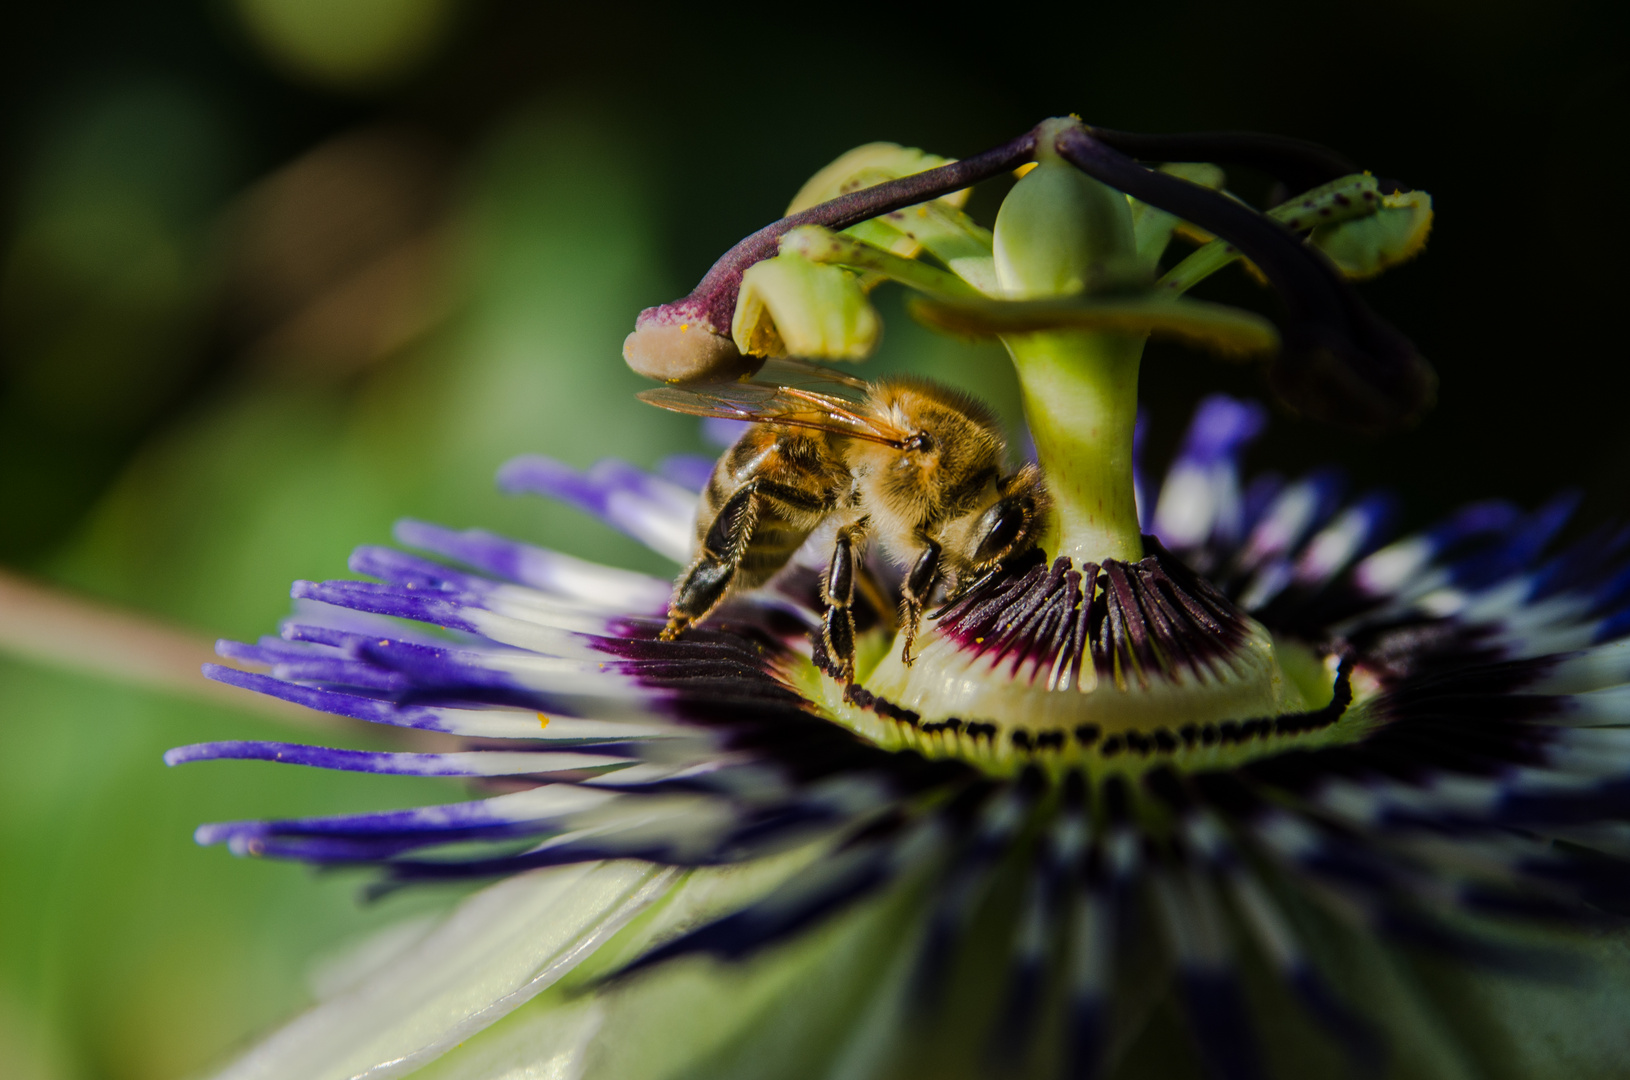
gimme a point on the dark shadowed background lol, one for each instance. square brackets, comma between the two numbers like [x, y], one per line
[274, 273]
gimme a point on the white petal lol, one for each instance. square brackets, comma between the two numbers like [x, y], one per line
[497, 950]
[548, 1046]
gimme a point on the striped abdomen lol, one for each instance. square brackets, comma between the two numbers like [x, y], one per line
[798, 480]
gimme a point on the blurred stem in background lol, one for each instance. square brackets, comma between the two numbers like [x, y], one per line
[55, 629]
[392, 335]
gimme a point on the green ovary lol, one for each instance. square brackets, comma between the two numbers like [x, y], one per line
[1081, 400]
[1058, 234]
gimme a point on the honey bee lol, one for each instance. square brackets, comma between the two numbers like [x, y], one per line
[915, 465]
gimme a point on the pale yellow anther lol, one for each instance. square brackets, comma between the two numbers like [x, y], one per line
[790, 306]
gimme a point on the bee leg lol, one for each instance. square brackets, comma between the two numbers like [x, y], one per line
[914, 594]
[709, 576]
[873, 592]
[838, 624]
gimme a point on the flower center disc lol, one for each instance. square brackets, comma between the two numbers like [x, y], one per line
[1119, 664]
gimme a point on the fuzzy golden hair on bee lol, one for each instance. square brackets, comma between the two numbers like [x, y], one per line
[912, 465]
[910, 394]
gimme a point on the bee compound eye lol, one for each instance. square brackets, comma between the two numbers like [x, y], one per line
[919, 442]
[1000, 528]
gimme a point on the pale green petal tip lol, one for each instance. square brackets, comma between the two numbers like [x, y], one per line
[866, 166]
[1361, 230]
[790, 306]
[1367, 246]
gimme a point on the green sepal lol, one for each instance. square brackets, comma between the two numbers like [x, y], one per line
[1217, 327]
[1393, 234]
[789, 306]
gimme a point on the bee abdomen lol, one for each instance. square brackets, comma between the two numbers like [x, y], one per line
[773, 543]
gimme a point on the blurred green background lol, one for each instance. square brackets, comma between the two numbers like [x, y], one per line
[274, 273]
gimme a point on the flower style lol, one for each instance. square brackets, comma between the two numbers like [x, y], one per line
[1199, 746]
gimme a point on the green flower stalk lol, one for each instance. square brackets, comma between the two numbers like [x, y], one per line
[1081, 401]
[1062, 234]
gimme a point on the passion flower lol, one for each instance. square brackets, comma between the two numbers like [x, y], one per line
[1195, 762]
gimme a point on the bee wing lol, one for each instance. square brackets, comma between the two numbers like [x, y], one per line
[805, 375]
[769, 403]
